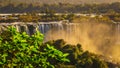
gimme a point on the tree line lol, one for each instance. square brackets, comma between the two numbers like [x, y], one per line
[62, 8]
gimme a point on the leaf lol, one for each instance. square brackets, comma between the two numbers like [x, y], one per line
[23, 41]
[34, 50]
[65, 60]
[4, 55]
[1, 63]
[65, 55]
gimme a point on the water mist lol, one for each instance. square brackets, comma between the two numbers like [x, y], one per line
[97, 37]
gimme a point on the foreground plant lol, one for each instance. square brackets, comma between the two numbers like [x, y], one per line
[19, 50]
[79, 58]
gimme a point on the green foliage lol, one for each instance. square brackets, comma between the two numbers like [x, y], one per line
[62, 8]
[50, 9]
[19, 50]
[89, 60]
[78, 57]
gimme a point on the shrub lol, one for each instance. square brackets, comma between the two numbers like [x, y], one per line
[77, 56]
[19, 50]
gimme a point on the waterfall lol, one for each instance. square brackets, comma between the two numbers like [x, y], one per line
[59, 29]
[118, 33]
[67, 31]
[98, 38]
[30, 28]
[93, 36]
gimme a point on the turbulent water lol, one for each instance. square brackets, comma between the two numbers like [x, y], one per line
[99, 38]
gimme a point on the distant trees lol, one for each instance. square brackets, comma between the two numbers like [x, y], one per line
[110, 10]
[46, 16]
[62, 8]
[114, 17]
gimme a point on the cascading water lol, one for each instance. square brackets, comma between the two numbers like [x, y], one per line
[118, 33]
[59, 30]
[95, 37]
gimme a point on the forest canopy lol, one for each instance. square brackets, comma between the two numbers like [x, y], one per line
[62, 8]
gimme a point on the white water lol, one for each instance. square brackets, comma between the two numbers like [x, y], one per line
[96, 37]
[58, 28]
[118, 33]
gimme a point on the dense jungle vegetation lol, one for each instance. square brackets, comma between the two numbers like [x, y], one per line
[17, 49]
[34, 17]
[62, 8]
[51, 16]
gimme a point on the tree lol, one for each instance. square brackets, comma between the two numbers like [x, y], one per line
[19, 50]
